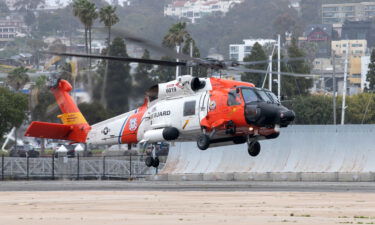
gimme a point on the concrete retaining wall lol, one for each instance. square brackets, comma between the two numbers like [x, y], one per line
[301, 153]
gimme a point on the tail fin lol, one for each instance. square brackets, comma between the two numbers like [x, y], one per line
[74, 128]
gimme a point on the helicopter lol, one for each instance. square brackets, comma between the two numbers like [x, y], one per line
[209, 111]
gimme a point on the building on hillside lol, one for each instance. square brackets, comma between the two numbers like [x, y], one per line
[359, 30]
[324, 67]
[338, 11]
[365, 61]
[239, 51]
[10, 27]
[193, 10]
[356, 47]
[355, 74]
[321, 35]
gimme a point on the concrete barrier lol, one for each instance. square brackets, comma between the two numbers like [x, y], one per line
[301, 153]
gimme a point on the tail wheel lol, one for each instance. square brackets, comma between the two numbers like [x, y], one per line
[149, 161]
[253, 148]
[203, 142]
[156, 162]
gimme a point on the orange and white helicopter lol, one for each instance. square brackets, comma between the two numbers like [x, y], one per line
[211, 111]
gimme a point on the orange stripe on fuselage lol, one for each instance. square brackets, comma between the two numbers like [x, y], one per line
[129, 134]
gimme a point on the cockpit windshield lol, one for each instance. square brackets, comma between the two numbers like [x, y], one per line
[273, 97]
[258, 95]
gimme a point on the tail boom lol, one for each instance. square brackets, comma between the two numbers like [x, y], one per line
[74, 128]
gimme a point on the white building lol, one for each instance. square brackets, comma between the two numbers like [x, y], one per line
[240, 51]
[365, 61]
[196, 9]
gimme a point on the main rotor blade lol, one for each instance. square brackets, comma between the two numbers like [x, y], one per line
[147, 44]
[275, 72]
[268, 61]
[122, 59]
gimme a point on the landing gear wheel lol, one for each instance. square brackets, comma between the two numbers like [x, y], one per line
[253, 148]
[149, 161]
[156, 162]
[203, 142]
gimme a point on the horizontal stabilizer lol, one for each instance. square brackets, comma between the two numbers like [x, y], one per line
[49, 130]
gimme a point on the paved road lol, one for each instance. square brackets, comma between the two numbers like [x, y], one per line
[186, 186]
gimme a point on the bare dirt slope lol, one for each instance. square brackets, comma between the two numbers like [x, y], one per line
[155, 207]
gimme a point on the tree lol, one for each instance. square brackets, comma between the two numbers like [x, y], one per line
[107, 16]
[119, 79]
[3, 7]
[13, 107]
[371, 72]
[142, 77]
[257, 54]
[292, 86]
[176, 35]
[311, 11]
[312, 109]
[27, 5]
[17, 78]
[198, 71]
[94, 112]
[86, 12]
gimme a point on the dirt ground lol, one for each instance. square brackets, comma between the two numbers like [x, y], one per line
[157, 207]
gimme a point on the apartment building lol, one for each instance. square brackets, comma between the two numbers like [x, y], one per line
[193, 10]
[338, 11]
[356, 47]
[239, 51]
[10, 26]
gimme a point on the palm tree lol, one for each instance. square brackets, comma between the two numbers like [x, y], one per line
[176, 35]
[107, 16]
[17, 78]
[86, 12]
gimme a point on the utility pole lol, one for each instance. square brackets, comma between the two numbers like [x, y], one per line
[177, 60]
[270, 74]
[345, 85]
[334, 86]
[279, 67]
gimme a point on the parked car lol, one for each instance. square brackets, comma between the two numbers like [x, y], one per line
[24, 151]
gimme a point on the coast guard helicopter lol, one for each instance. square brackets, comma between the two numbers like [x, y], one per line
[210, 111]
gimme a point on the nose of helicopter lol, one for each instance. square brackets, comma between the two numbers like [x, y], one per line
[268, 114]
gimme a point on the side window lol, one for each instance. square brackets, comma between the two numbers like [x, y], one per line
[233, 98]
[249, 95]
[189, 108]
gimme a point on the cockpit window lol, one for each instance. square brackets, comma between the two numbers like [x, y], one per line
[249, 95]
[273, 97]
[233, 98]
[264, 96]
[259, 95]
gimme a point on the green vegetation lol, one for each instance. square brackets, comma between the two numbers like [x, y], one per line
[107, 16]
[371, 72]
[257, 54]
[13, 107]
[17, 78]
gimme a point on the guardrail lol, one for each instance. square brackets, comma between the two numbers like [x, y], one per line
[79, 167]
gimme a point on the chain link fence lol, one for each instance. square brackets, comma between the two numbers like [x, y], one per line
[79, 167]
